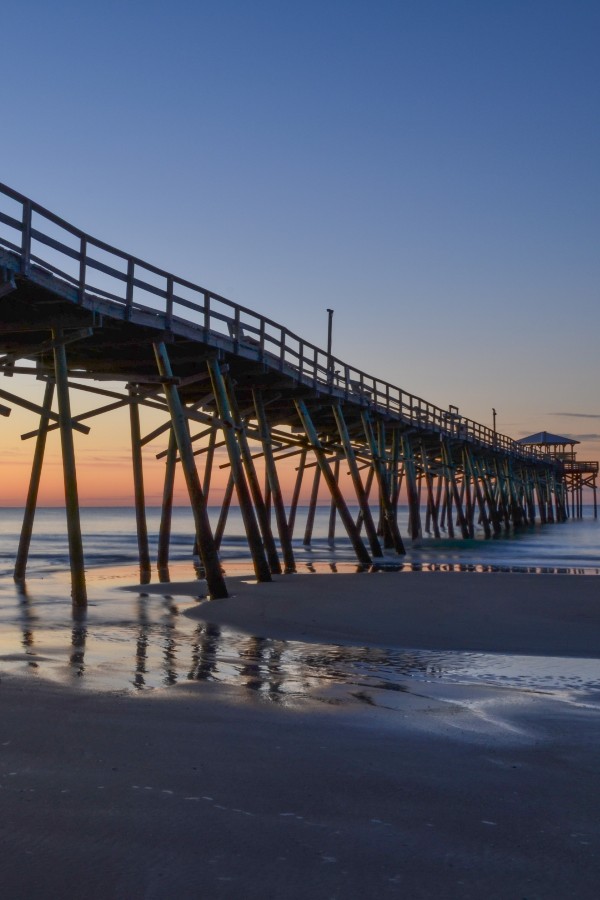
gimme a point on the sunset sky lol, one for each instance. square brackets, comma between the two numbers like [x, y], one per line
[427, 168]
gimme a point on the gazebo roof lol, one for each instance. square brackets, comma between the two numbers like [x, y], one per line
[546, 438]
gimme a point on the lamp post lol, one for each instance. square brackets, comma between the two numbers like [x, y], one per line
[494, 415]
[329, 339]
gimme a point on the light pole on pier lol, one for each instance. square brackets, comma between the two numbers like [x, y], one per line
[494, 415]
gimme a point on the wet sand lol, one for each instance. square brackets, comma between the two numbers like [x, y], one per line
[556, 615]
[200, 791]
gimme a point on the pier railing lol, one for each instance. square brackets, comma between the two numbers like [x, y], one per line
[95, 269]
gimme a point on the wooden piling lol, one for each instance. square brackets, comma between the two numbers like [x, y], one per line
[344, 513]
[138, 483]
[332, 507]
[166, 512]
[34, 483]
[296, 492]
[257, 550]
[312, 508]
[78, 586]
[228, 494]
[432, 513]
[260, 506]
[412, 490]
[206, 543]
[361, 495]
[273, 482]
[384, 484]
[483, 514]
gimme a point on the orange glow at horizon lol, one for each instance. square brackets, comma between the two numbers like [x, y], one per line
[104, 465]
[103, 457]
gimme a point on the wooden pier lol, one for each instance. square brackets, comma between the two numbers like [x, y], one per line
[77, 313]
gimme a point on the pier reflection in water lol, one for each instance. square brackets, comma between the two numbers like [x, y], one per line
[127, 641]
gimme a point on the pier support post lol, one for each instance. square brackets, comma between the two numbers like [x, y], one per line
[34, 484]
[220, 529]
[260, 506]
[273, 482]
[361, 494]
[412, 490]
[332, 507]
[138, 483]
[312, 508]
[78, 586]
[347, 520]
[257, 550]
[482, 471]
[296, 493]
[164, 531]
[383, 483]
[206, 543]
[432, 510]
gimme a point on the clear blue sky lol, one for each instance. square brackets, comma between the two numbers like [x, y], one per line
[429, 169]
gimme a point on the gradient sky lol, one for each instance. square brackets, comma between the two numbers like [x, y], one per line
[428, 169]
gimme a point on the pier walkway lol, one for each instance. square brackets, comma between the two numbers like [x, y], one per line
[77, 313]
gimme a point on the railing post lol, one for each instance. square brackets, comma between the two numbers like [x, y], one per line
[129, 290]
[281, 349]
[206, 315]
[26, 237]
[82, 267]
[169, 308]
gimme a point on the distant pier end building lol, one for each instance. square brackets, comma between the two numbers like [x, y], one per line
[577, 474]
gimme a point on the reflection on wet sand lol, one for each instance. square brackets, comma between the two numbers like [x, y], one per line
[205, 645]
[78, 640]
[141, 642]
[27, 621]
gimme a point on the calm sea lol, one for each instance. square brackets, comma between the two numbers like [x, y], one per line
[110, 539]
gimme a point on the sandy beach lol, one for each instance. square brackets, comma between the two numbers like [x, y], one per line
[200, 790]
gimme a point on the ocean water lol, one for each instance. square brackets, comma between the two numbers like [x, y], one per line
[109, 537]
[127, 641]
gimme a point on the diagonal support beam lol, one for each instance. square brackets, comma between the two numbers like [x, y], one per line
[257, 550]
[344, 513]
[273, 480]
[384, 486]
[34, 484]
[260, 506]
[206, 542]
[361, 495]
[33, 407]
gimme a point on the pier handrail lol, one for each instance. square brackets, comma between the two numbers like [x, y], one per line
[98, 266]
